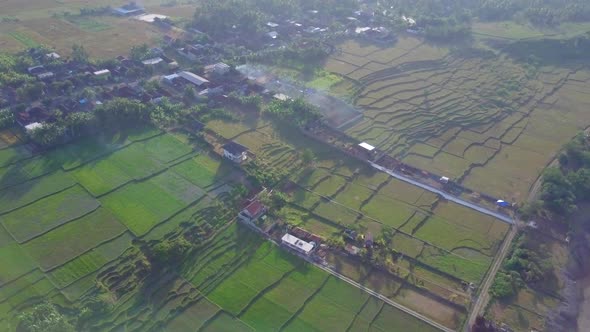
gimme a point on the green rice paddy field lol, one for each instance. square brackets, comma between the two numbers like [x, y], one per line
[69, 219]
[487, 121]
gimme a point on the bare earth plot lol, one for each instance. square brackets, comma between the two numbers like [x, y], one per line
[102, 36]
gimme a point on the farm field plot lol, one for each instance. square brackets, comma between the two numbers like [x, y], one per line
[203, 171]
[89, 262]
[291, 295]
[30, 191]
[102, 36]
[70, 240]
[11, 155]
[440, 111]
[134, 162]
[13, 256]
[140, 206]
[371, 202]
[47, 213]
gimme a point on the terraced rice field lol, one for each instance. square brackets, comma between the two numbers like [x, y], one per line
[69, 213]
[438, 246]
[481, 119]
[268, 289]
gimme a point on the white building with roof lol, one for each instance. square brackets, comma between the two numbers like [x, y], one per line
[367, 146]
[104, 72]
[32, 126]
[297, 244]
[193, 78]
[152, 62]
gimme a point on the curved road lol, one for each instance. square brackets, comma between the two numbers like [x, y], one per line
[447, 196]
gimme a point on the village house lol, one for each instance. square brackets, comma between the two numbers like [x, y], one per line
[36, 70]
[171, 63]
[45, 76]
[219, 69]
[31, 116]
[185, 77]
[152, 61]
[130, 9]
[273, 35]
[194, 79]
[252, 212]
[53, 56]
[194, 52]
[297, 244]
[235, 152]
[103, 74]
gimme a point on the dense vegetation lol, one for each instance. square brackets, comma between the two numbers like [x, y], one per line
[296, 111]
[568, 185]
[248, 17]
[523, 266]
[541, 12]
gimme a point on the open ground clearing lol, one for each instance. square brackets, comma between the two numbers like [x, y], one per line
[106, 36]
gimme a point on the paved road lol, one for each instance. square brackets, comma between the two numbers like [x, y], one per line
[484, 295]
[447, 196]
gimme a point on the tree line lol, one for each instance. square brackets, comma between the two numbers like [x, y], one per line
[538, 12]
[566, 186]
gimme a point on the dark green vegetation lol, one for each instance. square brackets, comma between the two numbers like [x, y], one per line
[452, 19]
[218, 18]
[523, 266]
[567, 186]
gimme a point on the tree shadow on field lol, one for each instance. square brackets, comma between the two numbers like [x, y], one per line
[22, 176]
[551, 52]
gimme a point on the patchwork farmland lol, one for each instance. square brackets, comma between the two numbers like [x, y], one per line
[70, 217]
[439, 247]
[488, 122]
[61, 212]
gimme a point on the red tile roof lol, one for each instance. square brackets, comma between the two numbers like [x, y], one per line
[255, 208]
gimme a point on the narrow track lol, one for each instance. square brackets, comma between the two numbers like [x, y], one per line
[484, 296]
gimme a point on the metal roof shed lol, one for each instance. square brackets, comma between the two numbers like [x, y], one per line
[193, 78]
[367, 146]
